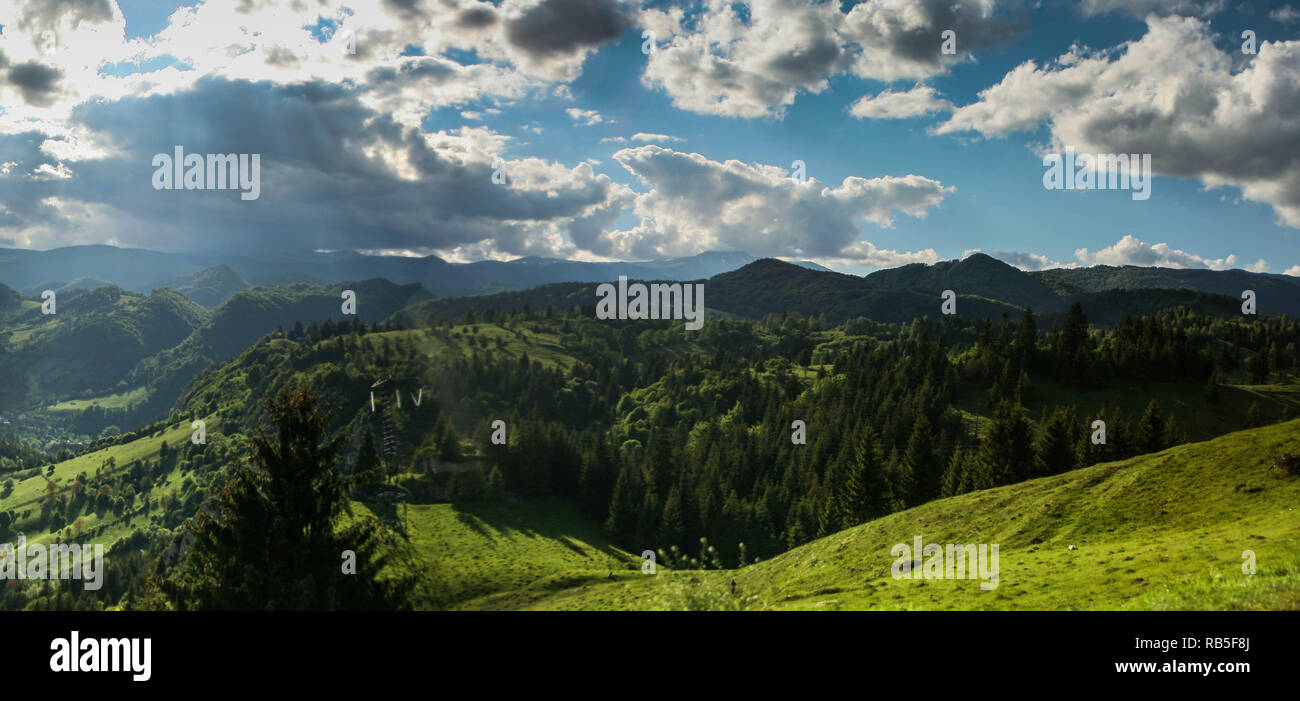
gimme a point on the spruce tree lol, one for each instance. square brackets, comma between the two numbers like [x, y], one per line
[921, 465]
[1151, 429]
[1006, 453]
[866, 494]
[1056, 443]
[274, 536]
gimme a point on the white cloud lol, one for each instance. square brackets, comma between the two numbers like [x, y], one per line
[751, 59]
[1293, 271]
[918, 101]
[1130, 250]
[1209, 119]
[646, 138]
[585, 117]
[1285, 15]
[697, 204]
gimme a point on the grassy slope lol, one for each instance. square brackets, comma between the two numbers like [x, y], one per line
[502, 556]
[1165, 530]
[27, 493]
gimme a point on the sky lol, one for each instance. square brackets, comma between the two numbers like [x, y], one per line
[859, 135]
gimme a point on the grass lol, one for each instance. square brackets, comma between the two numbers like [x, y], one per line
[503, 556]
[28, 493]
[1160, 531]
[112, 401]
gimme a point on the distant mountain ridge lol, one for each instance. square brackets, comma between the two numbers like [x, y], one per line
[210, 279]
[985, 287]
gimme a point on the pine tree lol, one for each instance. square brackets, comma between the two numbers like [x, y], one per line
[1056, 443]
[866, 494]
[1026, 338]
[921, 465]
[1212, 388]
[496, 485]
[369, 470]
[273, 537]
[1006, 453]
[1151, 429]
[953, 477]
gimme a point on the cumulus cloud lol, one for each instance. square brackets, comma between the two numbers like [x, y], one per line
[1130, 250]
[1293, 271]
[586, 117]
[334, 175]
[751, 59]
[918, 101]
[546, 31]
[1210, 119]
[696, 204]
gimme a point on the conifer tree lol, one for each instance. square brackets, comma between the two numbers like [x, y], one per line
[866, 493]
[921, 465]
[1151, 429]
[273, 539]
[1006, 453]
[1055, 450]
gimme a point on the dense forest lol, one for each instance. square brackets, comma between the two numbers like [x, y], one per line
[757, 435]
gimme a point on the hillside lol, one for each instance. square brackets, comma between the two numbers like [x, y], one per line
[985, 288]
[123, 328]
[502, 556]
[1159, 531]
[1277, 294]
[976, 274]
[210, 286]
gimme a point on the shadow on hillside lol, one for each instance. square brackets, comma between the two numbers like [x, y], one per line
[532, 520]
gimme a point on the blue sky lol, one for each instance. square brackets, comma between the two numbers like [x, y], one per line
[391, 147]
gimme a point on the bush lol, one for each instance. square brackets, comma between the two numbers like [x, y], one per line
[1289, 463]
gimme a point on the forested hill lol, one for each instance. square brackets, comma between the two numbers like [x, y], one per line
[985, 287]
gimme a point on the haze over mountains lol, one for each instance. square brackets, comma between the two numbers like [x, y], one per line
[211, 278]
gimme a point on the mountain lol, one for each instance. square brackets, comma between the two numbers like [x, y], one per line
[977, 274]
[985, 287]
[212, 277]
[50, 358]
[1275, 294]
[249, 315]
[773, 287]
[210, 286]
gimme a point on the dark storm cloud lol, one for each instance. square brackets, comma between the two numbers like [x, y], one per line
[326, 178]
[557, 28]
[437, 69]
[46, 14]
[36, 82]
[20, 194]
[476, 18]
[914, 34]
[407, 9]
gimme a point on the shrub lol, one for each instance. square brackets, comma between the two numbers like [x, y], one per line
[1289, 463]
